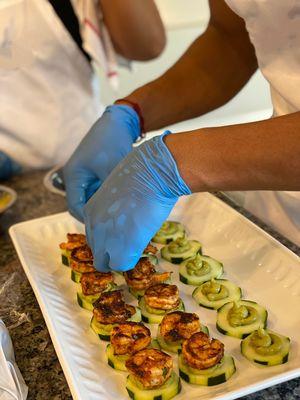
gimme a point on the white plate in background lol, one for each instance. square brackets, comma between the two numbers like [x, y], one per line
[266, 271]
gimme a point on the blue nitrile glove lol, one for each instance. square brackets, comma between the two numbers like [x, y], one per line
[8, 167]
[131, 205]
[106, 144]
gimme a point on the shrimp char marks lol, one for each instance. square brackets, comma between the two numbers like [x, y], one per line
[177, 326]
[126, 339]
[158, 300]
[202, 361]
[92, 284]
[73, 240]
[151, 376]
[142, 276]
[81, 262]
[110, 310]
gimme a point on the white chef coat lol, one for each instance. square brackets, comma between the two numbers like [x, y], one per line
[274, 29]
[48, 92]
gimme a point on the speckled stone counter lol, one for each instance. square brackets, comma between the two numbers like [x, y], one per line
[19, 309]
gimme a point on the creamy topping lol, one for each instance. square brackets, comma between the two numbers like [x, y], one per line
[240, 315]
[180, 245]
[214, 290]
[265, 343]
[168, 228]
[197, 266]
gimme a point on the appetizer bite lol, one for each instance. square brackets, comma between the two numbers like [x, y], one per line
[158, 300]
[150, 252]
[73, 240]
[216, 292]
[151, 376]
[202, 361]
[198, 269]
[177, 326]
[142, 276]
[169, 231]
[180, 250]
[126, 338]
[81, 261]
[92, 285]
[150, 249]
[240, 318]
[109, 310]
[266, 347]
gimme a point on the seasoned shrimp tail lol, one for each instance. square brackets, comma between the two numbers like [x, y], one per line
[95, 282]
[130, 337]
[151, 367]
[179, 325]
[162, 296]
[201, 352]
[110, 308]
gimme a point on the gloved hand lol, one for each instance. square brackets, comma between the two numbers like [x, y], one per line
[131, 205]
[8, 167]
[106, 144]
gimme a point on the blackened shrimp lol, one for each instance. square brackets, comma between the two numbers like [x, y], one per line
[150, 367]
[150, 249]
[130, 337]
[201, 352]
[74, 240]
[110, 308]
[162, 296]
[179, 325]
[81, 259]
[95, 282]
[144, 275]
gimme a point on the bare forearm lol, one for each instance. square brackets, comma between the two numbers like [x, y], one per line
[135, 27]
[211, 72]
[256, 156]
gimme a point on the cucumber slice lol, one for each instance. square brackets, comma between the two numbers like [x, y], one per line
[154, 344]
[104, 330]
[241, 331]
[136, 293]
[116, 361]
[152, 258]
[119, 361]
[174, 347]
[220, 373]
[153, 315]
[167, 391]
[75, 276]
[214, 267]
[87, 301]
[234, 294]
[169, 231]
[180, 256]
[249, 351]
[65, 257]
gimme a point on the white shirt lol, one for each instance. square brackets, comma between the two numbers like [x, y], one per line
[274, 29]
[48, 98]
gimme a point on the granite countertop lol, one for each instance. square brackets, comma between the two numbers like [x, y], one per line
[19, 309]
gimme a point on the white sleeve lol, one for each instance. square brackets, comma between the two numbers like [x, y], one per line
[14, 50]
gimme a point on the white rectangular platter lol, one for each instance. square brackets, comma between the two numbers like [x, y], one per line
[266, 271]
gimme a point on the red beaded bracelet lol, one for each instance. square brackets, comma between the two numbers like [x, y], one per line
[138, 110]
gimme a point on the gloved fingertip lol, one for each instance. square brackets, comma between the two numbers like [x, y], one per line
[123, 265]
[77, 212]
[101, 262]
